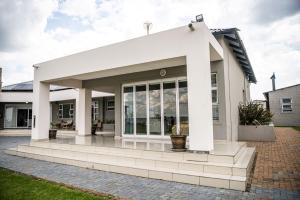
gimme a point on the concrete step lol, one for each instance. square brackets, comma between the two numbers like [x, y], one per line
[172, 156]
[125, 166]
[15, 132]
[144, 159]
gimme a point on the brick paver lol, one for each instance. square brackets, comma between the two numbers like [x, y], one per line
[126, 186]
[278, 163]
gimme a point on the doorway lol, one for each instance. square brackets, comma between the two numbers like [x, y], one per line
[24, 117]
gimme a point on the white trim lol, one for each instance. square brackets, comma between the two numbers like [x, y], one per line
[134, 110]
[71, 116]
[282, 104]
[177, 107]
[147, 110]
[162, 114]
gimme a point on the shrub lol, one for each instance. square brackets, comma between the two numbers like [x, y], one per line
[254, 114]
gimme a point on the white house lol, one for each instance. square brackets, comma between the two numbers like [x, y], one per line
[189, 75]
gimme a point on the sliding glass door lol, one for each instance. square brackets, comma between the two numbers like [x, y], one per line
[169, 105]
[141, 110]
[155, 108]
[128, 110]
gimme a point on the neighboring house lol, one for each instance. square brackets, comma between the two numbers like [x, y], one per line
[16, 105]
[183, 76]
[284, 104]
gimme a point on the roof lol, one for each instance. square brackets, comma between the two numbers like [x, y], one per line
[282, 88]
[238, 48]
[230, 34]
[28, 87]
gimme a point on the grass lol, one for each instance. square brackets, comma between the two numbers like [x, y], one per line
[297, 128]
[15, 186]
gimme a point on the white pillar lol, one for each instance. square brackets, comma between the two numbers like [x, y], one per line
[200, 103]
[41, 111]
[83, 112]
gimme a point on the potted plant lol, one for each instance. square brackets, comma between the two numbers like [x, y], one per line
[179, 140]
[53, 131]
[255, 123]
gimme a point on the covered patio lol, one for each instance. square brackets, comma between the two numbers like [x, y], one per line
[110, 68]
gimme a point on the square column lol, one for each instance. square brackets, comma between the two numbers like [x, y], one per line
[199, 100]
[118, 111]
[83, 112]
[41, 111]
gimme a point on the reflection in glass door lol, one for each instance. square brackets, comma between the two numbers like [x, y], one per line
[141, 109]
[154, 109]
[128, 110]
[183, 107]
[169, 97]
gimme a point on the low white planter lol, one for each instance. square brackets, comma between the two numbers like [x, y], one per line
[263, 133]
[108, 127]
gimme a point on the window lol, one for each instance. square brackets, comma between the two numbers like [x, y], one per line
[66, 110]
[110, 105]
[286, 105]
[95, 110]
[214, 96]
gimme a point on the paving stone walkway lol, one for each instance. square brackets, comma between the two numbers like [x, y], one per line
[278, 163]
[125, 186]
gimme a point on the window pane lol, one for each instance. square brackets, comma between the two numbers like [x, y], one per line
[287, 108]
[286, 100]
[66, 110]
[214, 80]
[10, 117]
[154, 109]
[215, 111]
[141, 110]
[214, 96]
[128, 109]
[183, 108]
[169, 97]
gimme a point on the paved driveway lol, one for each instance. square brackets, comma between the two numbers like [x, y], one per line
[125, 186]
[278, 163]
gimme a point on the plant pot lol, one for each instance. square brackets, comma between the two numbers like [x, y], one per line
[178, 142]
[52, 134]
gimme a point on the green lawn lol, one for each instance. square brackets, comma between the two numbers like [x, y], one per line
[297, 128]
[16, 186]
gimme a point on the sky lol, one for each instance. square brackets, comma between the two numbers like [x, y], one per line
[32, 31]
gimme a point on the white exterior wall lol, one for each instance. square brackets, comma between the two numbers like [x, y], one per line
[235, 82]
[60, 95]
[16, 96]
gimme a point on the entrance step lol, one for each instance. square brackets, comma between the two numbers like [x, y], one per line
[172, 160]
[173, 156]
[15, 132]
[150, 164]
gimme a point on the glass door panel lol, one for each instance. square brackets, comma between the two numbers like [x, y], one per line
[29, 117]
[183, 107]
[154, 109]
[128, 110]
[22, 117]
[141, 110]
[169, 97]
